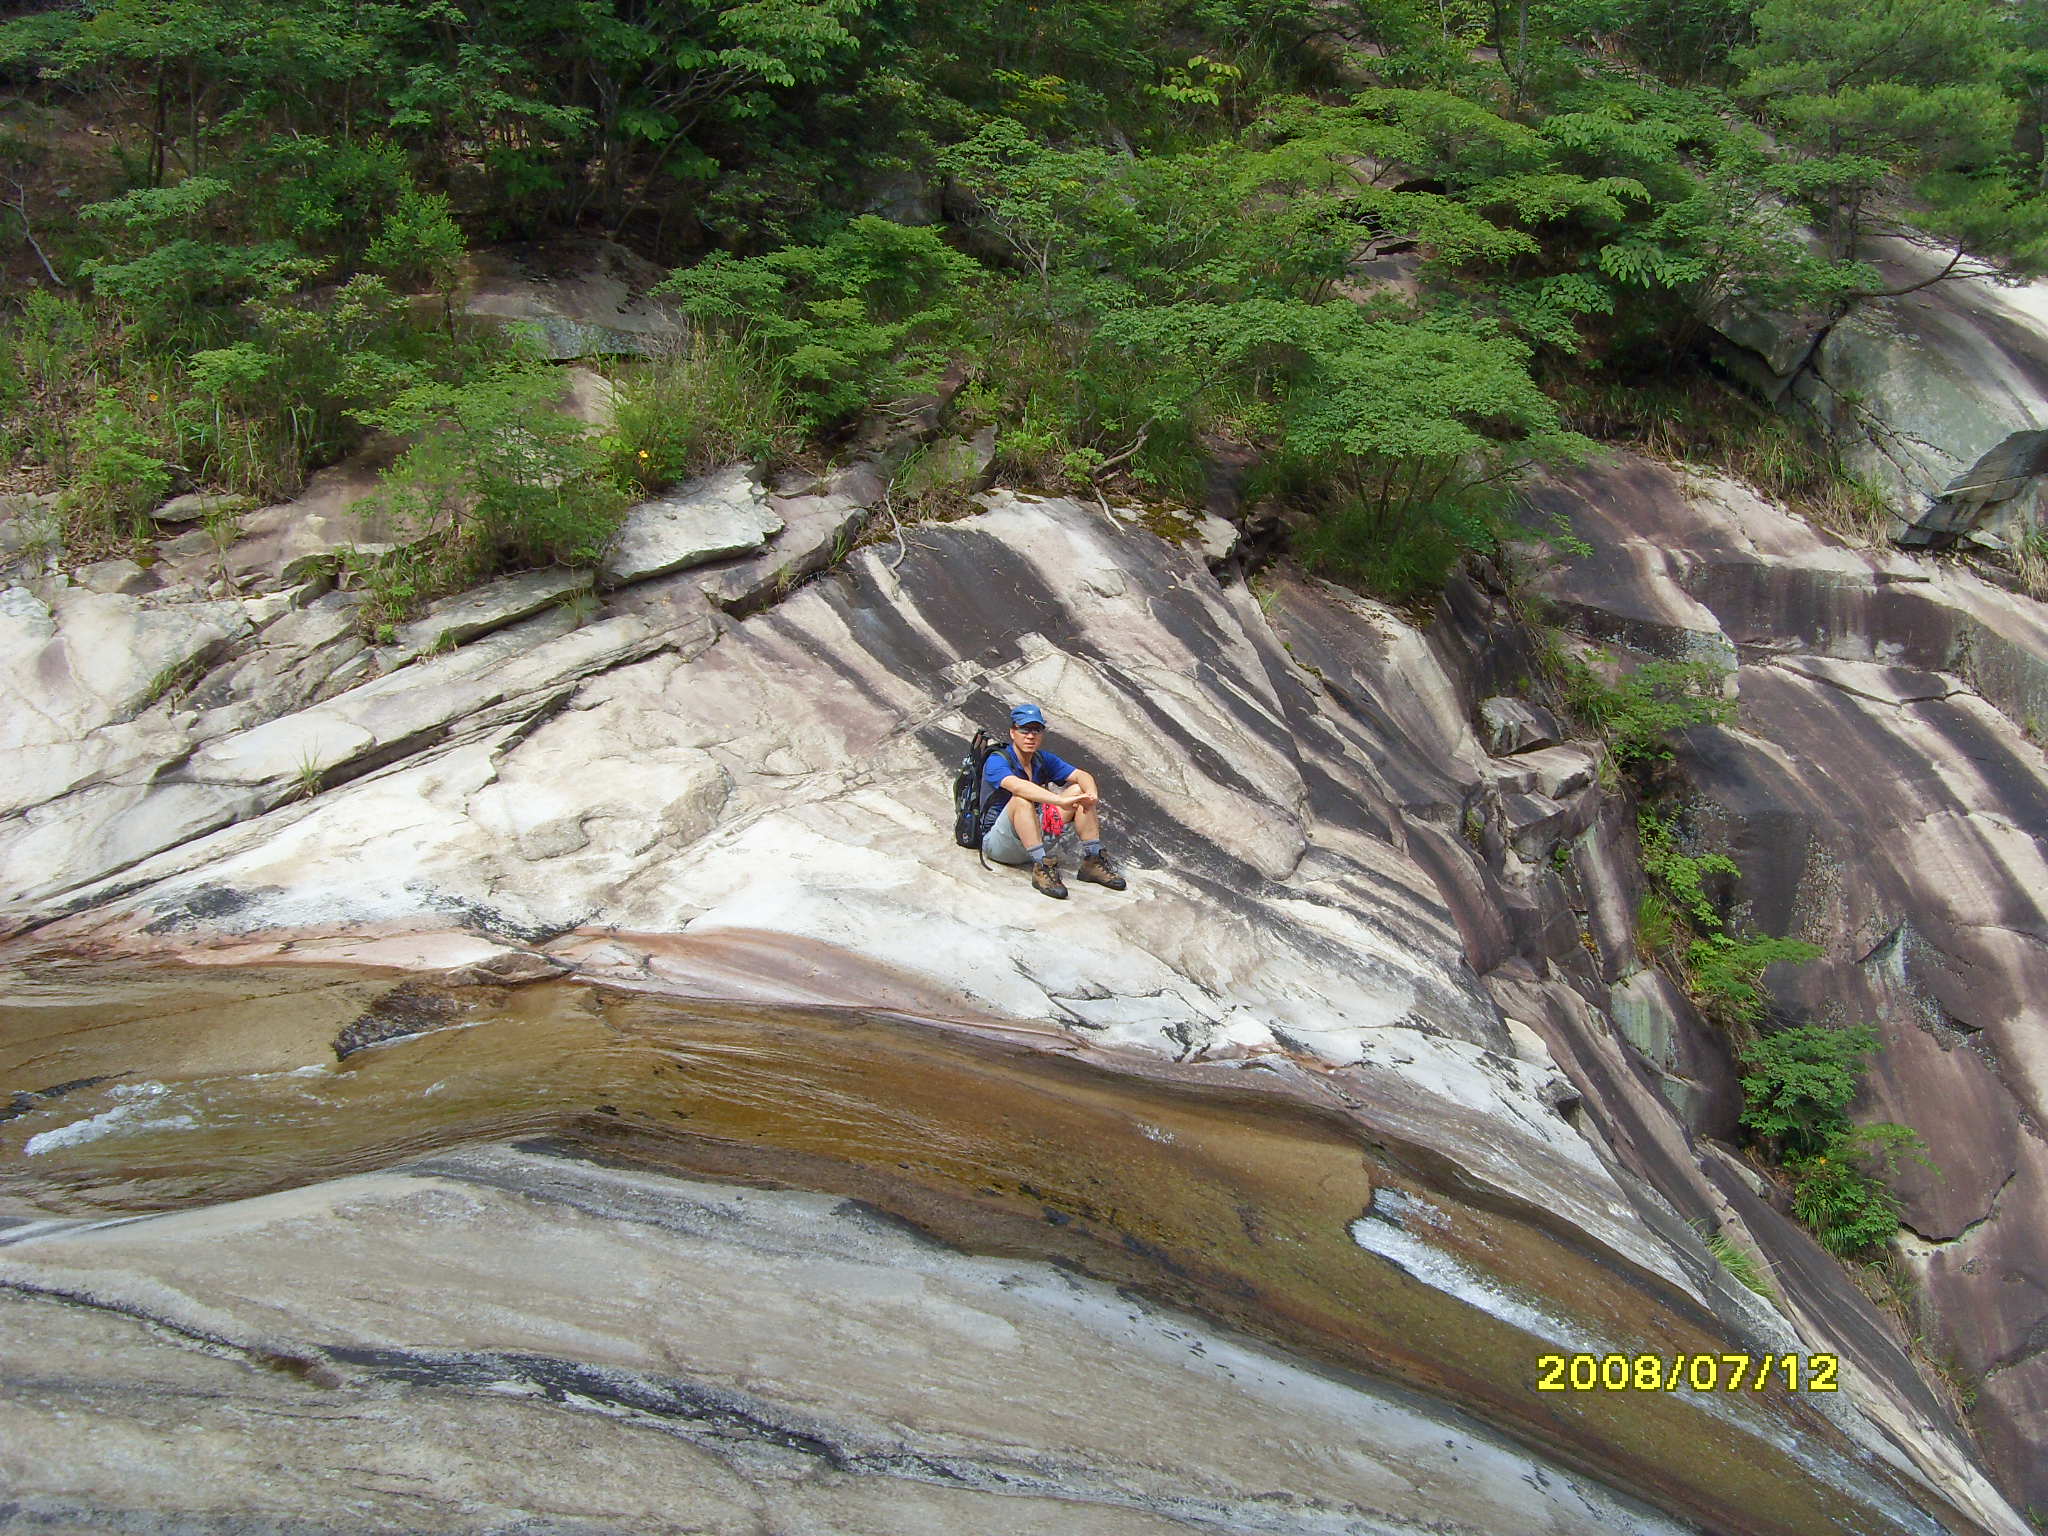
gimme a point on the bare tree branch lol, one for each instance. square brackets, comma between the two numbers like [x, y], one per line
[20, 207]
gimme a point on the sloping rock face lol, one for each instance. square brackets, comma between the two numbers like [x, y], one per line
[1937, 396]
[673, 888]
[575, 297]
[1885, 795]
[755, 1359]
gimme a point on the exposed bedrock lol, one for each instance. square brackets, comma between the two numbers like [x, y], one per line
[754, 1360]
[674, 885]
[1936, 396]
[1885, 797]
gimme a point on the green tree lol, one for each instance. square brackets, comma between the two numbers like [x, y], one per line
[1866, 89]
[866, 316]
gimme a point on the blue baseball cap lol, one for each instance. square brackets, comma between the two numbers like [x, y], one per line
[1026, 714]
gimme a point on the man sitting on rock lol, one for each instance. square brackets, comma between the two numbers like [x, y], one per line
[1017, 782]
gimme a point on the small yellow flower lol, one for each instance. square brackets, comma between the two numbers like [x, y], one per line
[152, 397]
[643, 453]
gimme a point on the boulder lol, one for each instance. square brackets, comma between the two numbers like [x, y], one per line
[196, 506]
[1561, 772]
[1939, 395]
[816, 531]
[1509, 726]
[1533, 823]
[951, 463]
[452, 621]
[114, 576]
[1219, 537]
[576, 296]
[719, 515]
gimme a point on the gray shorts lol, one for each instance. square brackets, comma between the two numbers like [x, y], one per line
[1000, 842]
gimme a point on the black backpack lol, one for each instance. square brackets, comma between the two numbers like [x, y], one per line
[969, 795]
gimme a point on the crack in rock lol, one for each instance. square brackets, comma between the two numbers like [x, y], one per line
[1930, 1244]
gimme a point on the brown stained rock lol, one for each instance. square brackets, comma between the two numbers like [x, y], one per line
[1305, 898]
[405, 1011]
[644, 1350]
[1251, 1196]
[1879, 807]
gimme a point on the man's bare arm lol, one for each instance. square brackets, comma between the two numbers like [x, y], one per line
[1025, 789]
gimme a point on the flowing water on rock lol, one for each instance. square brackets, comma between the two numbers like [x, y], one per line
[1230, 1192]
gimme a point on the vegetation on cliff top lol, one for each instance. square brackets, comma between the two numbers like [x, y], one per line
[1386, 250]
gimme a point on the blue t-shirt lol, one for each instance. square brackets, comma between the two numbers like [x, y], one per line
[1046, 768]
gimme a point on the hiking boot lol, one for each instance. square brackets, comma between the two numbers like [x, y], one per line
[1097, 870]
[1045, 877]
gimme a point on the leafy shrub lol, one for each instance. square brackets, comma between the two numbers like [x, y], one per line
[49, 367]
[1722, 971]
[1799, 1082]
[679, 416]
[1071, 410]
[1796, 1095]
[495, 479]
[47, 340]
[1848, 1209]
[118, 473]
[297, 390]
[321, 192]
[1638, 714]
[1725, 971]
[861, 319]
[420, 242]
[172, 275]
[1402, 556]
[1683, 876]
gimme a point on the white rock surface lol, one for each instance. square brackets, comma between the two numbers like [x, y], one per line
[752, 1357]
[455, 620]
[87, 659]
[722, 514]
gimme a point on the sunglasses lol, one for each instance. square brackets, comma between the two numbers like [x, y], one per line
[1028, 730]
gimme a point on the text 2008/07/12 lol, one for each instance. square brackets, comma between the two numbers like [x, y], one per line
[1692, 1373]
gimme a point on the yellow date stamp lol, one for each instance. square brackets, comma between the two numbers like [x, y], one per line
[1585, 1372]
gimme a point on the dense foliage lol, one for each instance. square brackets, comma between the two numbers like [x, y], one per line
[1384, 251]
[1796, 1091]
